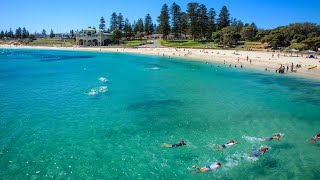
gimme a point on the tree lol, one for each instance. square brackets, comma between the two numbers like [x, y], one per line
[120, 22]
[28, 34]
[72, 33]
[44, 32]
[203, 20]
[117, 36]
[230, 36]
[24, 33]
[51, 34]
[6, 34]
[211, 23]
[140, 25]
[18, 34]
[155, 29]
[224, 18]
[114, 22]
[127, 28]
[193, 11]
[312, 43]
[148, 25]
[102, 25]
[164, 21]
[184, 23]
[276, 38]
[175, 19]
[1, 34]
[249, 33]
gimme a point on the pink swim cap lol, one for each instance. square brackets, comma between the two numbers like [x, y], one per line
[218, 163]
[232, 141]
[182, 141]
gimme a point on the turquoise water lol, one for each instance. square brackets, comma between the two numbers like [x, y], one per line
[51, 128]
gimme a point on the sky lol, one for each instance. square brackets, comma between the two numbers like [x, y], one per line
[64, 15]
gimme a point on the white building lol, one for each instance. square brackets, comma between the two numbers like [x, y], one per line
[92, 37]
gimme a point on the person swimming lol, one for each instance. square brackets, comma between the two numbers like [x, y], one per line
[315, 138]
[259, 152]
[212, 167]
[274, 137]
[181, 143]
[227, 145]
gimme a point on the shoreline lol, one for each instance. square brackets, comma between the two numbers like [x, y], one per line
[260, 60]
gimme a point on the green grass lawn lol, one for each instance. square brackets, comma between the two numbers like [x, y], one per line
[53, 42]
[188, 44]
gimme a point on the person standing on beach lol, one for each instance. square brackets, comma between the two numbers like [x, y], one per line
[181, 143]
[212, 167]
[247, 58]
[292, 67]
[250, 61]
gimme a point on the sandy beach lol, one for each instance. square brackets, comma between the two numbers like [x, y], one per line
[256, 59]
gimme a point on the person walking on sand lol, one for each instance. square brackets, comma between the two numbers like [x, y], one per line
[212, 167]
[181, 143]
[227, 145]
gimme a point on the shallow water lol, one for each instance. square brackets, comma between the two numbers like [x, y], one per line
[51, 128]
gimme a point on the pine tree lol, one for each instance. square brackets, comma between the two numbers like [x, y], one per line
[164, 21]
[184, 23]
[51, 34]
[224, 18]
[18, 34]
[72, 33]
[203, 20]
[1, 34]
[11, 35]
[6, 34]
[148, 25]
[193, 10]
[120, 22]
[114, 22]
[175, 19]
[24, 33]
[28, 34]
[211, 23]
[102, 25]
[127, 28]
[140, 26]
[44, 32]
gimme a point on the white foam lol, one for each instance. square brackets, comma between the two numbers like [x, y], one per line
[103, 89]
[92, 92]
[103, 79]
[252, 139]
[155, 68]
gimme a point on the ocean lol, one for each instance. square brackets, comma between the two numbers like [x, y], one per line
[57, 122]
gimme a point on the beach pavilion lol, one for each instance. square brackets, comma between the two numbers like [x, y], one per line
[92, 37]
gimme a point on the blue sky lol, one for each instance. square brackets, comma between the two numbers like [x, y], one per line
[64, 15]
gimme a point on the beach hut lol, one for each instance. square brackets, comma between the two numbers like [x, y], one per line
[310, 53]
[292, 51]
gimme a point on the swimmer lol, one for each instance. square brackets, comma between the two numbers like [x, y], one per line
[227, 145]
[275, 137]
[315, 138]
[212, 167]
[103, 79]
[259, 152]
[181, 143]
